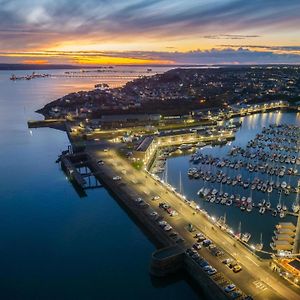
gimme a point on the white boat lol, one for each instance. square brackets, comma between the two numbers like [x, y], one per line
[260, 245]
[200, 192]
[283, 184]
[282, 214]
[246, 237]
[296, 205]
[249, 208]
[262, 210]
[279, 203]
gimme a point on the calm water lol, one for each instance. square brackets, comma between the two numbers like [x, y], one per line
[253, 222]
[53, 244]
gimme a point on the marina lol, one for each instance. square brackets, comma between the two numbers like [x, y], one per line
[259, 181]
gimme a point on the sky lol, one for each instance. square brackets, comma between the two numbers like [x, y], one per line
[98, 32]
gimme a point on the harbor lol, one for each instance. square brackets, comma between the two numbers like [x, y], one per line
[154, 208]
[242, 182]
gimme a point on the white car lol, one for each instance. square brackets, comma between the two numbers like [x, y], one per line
[211, 271]
[155, 198]
[153, 214]
[197, 246]
[167, 227]
[162, 223]
[139, 199]
[116, 178]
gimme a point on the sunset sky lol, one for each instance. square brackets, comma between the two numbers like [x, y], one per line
[149, 31]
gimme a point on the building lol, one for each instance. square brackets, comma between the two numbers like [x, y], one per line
[289, 268]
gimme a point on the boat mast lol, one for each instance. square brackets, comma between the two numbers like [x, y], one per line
[166, 173]
[180, 183]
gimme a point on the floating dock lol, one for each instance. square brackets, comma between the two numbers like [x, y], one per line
[281, 245]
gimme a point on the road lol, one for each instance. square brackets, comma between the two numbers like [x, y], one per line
[256, 279]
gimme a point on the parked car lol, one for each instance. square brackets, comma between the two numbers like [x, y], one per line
[235, 295]
[206, 243]
[227, 261]
[237, 268]
[229, 288]
[197, 246]
[167, 227]
[211, 271]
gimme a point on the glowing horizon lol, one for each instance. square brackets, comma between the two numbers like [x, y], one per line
[149, 32]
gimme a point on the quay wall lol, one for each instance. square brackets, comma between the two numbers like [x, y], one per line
[125, 198]
[210, 288]
[51, 123]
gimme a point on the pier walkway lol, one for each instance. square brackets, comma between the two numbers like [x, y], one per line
[140, 184]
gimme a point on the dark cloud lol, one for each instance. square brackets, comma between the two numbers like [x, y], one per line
[230, 36]
[214, 56]
[265, 47]
[38, 22]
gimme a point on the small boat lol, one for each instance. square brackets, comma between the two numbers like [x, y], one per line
[282, 214]
[229, 202]
[296, 205]
[260, 245]
[246, 237]
[279, 203]
[274, 213]
[249, 208]
[262, 210]
[283, 184]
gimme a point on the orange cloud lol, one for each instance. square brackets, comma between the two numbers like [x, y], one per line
[35, 62]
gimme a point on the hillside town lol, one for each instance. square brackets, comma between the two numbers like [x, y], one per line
[182, 91]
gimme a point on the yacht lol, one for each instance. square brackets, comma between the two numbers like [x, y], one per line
[246, 237]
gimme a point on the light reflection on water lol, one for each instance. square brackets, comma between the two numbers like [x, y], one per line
[253, 222]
